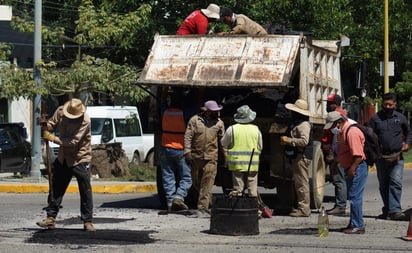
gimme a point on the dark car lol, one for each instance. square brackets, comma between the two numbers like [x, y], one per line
[15, 151]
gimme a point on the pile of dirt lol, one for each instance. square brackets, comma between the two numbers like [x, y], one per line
[109, 160]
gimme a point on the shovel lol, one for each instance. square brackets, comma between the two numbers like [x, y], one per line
[266, 212]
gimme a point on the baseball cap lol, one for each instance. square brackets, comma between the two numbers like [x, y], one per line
[335, 98]
[331, 118]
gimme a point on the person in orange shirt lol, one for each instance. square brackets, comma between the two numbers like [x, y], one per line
[352, 159]
[176, 174]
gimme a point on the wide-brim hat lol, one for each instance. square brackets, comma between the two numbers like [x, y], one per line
[212, 11]
[244, 115]
[300, 106]
[331, 118]
[211, 105]
[73, 108]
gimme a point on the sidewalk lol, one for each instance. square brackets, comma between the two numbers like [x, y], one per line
[98, 186]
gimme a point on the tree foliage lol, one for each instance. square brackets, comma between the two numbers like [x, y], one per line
[121, 32]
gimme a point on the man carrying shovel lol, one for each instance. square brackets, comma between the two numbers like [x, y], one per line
[73, 160]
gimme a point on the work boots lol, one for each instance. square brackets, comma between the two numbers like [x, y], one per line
[88, 226]
[49, 223]
[178, 205]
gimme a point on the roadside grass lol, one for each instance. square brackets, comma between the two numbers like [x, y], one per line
[407, 156]
[146, 172]
[142, 172]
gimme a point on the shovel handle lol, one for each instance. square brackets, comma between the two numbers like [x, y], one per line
[247, 173]
[49, 172]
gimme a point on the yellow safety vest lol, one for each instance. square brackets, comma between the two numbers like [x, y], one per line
[245, 139]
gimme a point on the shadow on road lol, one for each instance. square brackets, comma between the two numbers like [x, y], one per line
[151, 202]
[295, 231]
[101, 237]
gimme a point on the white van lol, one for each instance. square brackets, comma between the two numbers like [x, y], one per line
[119, 124]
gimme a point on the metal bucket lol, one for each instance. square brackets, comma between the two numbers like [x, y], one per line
[234, 216]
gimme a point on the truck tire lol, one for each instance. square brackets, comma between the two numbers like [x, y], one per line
[317, 181]
[160, 191]
[136, 158]
[150, 158]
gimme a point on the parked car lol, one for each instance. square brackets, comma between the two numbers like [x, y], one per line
[15, 151]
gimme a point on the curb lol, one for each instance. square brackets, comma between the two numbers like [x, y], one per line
[101, 187]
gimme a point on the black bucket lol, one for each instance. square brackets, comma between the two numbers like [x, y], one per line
[234, 216]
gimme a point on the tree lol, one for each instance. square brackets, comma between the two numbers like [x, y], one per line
[403, 89]
[96, 27]
[122, 31]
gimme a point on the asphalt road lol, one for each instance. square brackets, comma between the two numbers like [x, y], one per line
[130, 223]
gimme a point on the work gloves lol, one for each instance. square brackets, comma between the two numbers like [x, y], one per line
[284, 140]
[48, 136]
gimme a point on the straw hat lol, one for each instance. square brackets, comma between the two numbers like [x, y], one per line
[212, 11]
[73, 108]
[300, 106]
[244, 115]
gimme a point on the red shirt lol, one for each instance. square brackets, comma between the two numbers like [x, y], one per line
[195, 23]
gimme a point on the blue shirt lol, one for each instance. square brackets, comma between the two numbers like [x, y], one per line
[393, 131]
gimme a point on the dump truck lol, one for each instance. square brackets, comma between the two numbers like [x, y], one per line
[262, 71]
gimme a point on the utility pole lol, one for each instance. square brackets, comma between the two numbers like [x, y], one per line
[386, 50]
[36, 134]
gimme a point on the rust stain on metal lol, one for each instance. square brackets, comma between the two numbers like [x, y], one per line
[216, 60]
[172, 72]
[215, 72]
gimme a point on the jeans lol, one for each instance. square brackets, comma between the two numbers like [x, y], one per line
[62, 175]
[390, 185]
[339, 182]
[176, 174]
[356, 188]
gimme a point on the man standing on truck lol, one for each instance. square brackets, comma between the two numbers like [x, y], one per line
[239, 23]
[395, 137]
[299, 150]
[175, 171]
[243, 140]
[202, 146]
[75, 154]
[198, 21]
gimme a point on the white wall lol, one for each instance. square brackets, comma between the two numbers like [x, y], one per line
[5, 13]
[19, 111]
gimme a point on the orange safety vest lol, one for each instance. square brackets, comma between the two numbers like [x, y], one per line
[173, 128]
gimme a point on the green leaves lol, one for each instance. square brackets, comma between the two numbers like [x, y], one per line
[86, 75]
[96, 27]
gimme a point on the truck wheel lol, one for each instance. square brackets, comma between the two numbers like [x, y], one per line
[160, 191]
[136, 159]
[317, 181]
[150, 158]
